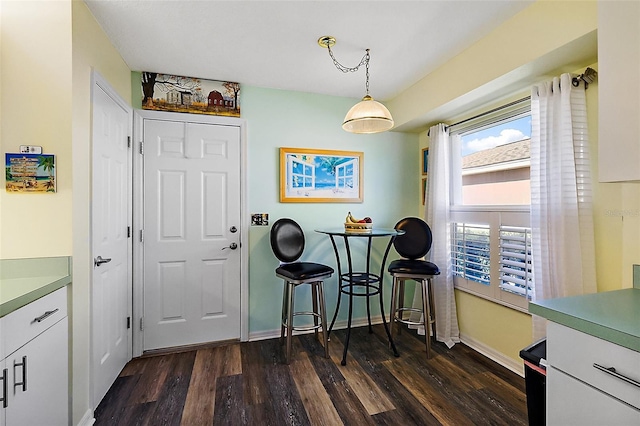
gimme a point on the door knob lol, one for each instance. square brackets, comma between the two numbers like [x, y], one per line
[99, 261]
[232, 246]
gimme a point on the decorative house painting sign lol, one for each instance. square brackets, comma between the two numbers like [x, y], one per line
[30, 172]
[164, 92]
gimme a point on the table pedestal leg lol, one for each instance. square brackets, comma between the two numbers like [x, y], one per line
[346, 342]
[386, 328]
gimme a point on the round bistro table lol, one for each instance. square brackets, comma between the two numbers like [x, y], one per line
[358, 284]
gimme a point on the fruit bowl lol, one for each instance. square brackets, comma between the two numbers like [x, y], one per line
[358, 227]
[351, 224]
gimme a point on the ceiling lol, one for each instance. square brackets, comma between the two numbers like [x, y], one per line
[273, 44]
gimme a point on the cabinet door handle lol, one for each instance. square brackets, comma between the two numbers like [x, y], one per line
[5, 394]
[45, 315]
[612, 371]
[23, 383]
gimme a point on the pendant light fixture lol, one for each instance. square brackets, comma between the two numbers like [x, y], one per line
[368, 115]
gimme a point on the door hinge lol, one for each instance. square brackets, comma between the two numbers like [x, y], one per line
[128, 141]
[142, 148]
[142, 235]
[141, 323]
[128, 232]
[128, 323]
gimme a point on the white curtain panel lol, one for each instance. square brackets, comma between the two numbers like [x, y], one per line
[561, 194]
[436, 214]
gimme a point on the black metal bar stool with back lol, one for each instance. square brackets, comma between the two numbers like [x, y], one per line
[413, 245]
[287, 243]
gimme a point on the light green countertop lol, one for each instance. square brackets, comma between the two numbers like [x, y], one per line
[24, 280]
[613, 315]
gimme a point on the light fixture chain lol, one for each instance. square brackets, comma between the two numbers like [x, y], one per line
[367, 57]
[364, 60]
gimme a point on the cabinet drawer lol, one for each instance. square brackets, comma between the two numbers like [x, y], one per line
[575, 353]
[22, 325]
[571, 402]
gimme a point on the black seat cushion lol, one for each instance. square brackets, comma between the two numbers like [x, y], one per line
[413, 267]
[302, 271]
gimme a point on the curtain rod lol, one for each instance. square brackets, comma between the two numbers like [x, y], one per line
[588, 76]
[510, 104]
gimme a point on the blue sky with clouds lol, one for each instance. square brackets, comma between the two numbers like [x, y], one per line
[511, 131]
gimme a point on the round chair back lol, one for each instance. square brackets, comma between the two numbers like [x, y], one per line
[287, 240]
[416, 241]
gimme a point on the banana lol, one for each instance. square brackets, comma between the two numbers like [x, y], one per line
[350, 219]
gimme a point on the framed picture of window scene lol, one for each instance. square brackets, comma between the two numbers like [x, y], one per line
[321, 176]
[425, 160]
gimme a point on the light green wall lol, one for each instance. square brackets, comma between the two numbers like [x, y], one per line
[279, 118]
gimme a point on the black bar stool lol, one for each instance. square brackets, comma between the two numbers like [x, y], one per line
[287, 243]
[413, 245]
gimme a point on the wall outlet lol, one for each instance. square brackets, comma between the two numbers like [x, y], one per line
[260, 219]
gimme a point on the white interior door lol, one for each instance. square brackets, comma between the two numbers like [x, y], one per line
[192, 233]
[111, 215]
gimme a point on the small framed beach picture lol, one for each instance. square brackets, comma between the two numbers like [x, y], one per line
[321, 176]
[425, 160]
[34, 173]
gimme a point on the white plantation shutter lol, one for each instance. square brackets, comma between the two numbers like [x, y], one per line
[471, 252]
[516, 274]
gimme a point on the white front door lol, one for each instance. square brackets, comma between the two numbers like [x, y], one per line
[191, 233]
[111, 215]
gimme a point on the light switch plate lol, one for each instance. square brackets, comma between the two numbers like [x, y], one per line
[30, 149]
[260, 219]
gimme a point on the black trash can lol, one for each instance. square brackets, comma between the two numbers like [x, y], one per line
[535, 378]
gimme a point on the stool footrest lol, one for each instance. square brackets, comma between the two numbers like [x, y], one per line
[398, 318]
[306, 328]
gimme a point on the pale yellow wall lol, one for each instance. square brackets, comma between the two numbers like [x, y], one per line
[616, 206]
[608, 208]
[1, 150]
[503, 330]
[503, 58]
[35, 81]
[91, 50]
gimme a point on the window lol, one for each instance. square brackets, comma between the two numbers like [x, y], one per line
[491, 241]
[346, 174]
[302, 174]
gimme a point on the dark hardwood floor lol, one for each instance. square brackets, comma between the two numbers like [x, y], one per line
[248, 383]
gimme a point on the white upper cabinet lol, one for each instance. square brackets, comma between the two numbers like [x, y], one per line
[619, 91]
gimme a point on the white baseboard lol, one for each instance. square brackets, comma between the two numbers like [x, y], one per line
[87, 419]
[339, 325]
[492, 354]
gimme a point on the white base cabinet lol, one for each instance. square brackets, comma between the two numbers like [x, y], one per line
[580, 393]
[35, 369]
